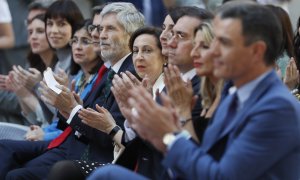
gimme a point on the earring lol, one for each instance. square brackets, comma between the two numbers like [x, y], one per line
[165, 64]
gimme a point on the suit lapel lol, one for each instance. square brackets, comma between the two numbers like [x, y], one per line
[259, 91]
[92, 97]
[214, 133]
[127, 65]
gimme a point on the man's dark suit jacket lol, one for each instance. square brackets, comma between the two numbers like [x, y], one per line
[33, 160]
[100, 144]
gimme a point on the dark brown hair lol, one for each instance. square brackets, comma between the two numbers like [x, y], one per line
[287, 31]
[35, 60]
[296, 43]
[145, 30]
[74, 68]
[65, 9]
[258, 23]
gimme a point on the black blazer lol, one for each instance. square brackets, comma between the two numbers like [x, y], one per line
[100, 144]
[141, 156]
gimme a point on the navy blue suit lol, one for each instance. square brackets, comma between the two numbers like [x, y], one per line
[34, 160]
[262, 141]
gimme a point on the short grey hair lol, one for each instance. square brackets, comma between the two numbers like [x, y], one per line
[127, 15]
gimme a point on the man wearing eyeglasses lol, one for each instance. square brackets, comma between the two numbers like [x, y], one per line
[114, 35]
[181, 44]
[90, 143]
[94, 29]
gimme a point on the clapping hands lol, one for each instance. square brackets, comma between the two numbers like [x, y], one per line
[291, 78]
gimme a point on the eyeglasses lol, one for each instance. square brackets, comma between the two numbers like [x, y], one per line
[84, 42]
[92, 27]
[28, 21]
[177, 36]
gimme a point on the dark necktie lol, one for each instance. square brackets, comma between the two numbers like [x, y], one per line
[63, 136]
[85, 155]
[222, 119]
[108, 83]
[232, 109]
[104, 95]
[216, 136]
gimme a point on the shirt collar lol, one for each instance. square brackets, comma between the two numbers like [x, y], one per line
[244, 92]
[107, 64]
[189, 75]
[118, 65]
[159, 84]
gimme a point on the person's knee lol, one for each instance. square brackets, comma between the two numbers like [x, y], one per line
[22, 174]
[114, 172]
[15, 174]
[10, 175]
[105, 172]
[4, 144]
[65, 170]
[6, 159]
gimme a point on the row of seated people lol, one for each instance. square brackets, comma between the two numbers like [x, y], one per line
[112, 105]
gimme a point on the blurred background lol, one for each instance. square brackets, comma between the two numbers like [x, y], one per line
[154, 11]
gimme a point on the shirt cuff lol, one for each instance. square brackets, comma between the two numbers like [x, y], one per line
[183, 134]
[73, 112]
[129, 132]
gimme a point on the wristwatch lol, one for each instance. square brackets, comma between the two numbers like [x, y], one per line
[184, 121]
[169, 138]
[114, 131]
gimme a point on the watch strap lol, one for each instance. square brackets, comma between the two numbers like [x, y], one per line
[114, 131]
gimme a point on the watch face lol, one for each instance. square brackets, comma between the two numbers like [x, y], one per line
[168, 138]
[114, 131]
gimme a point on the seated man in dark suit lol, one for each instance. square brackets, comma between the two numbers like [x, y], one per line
[255, 132]
[34, 159]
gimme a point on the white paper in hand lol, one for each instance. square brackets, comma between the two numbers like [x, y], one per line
[50, 80]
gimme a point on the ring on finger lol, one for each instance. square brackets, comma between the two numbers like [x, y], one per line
[134, 112]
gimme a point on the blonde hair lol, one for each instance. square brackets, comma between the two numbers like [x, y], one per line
[207, 90]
